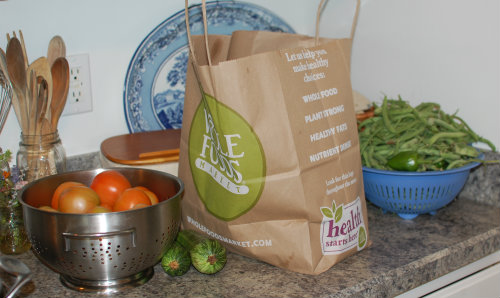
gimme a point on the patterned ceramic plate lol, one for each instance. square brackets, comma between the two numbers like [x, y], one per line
[154, 85]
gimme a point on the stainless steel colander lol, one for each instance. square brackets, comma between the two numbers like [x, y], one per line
[103, 252]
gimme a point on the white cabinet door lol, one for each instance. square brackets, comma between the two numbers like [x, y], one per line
[480, 279]
[483, 284]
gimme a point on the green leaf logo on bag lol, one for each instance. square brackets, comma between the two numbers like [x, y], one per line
[342, 228]
[226, 159]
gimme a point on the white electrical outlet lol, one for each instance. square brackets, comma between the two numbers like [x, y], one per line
[79, 94]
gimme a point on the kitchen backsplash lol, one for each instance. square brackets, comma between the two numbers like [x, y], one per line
[83, 162]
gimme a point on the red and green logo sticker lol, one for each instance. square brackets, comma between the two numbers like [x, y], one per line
[227, 160]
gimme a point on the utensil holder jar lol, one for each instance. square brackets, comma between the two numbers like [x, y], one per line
[41, 155]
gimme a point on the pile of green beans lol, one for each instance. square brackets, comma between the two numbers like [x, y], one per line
[440, 140]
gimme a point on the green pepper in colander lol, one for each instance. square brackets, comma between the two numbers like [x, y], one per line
[404, 161]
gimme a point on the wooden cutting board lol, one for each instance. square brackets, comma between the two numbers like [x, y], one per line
[143, 147]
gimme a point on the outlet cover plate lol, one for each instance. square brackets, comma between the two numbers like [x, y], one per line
[79, 98]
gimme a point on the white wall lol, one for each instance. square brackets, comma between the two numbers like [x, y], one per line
[446, 51]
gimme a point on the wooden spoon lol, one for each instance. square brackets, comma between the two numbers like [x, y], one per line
[31, 101]
[41, 105]
[56, 49]
[17, 73]
[60, 80]
[23, 46]
[42, 69]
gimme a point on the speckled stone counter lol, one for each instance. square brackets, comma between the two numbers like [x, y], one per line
[404, 254]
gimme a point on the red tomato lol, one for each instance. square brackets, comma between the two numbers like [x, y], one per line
[62, 187]
[129, 198]
[109, 185]
[152, 196]
[78, 199]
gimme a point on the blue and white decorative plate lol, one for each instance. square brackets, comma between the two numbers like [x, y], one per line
[156, 77]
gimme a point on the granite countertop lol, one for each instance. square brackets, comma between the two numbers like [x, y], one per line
[404, 254]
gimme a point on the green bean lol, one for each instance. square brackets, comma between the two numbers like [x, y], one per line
[438, 137]
[466, 150]
[412, 134]
[410, 143]
[385, 115]
[366, 160]
[457, 163]
[380, 158]
[476, 137]
[441, 123]
[419, 117]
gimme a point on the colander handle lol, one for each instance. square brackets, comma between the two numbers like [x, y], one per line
[68, 237]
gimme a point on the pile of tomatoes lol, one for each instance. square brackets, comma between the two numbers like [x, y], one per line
[110, 191]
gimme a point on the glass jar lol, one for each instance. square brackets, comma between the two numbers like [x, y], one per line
[41, 155]
[13, 237]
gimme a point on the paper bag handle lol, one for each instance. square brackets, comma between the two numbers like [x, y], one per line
[205, 28]
[321, 6]
[205, 25]
[194, 62]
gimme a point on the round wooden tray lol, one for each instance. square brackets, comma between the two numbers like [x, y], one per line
[143, 147]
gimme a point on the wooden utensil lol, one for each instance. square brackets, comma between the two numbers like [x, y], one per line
[31, 100]
[41, 105]
[17, 73]
[160, 154]
[23, 46]
[42, 69]
[60, 81]
[56, 49]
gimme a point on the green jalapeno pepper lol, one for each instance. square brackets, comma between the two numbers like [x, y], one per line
[404, 161]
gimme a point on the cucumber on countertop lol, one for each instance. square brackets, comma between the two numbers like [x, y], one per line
[176, 261]
[207, 255]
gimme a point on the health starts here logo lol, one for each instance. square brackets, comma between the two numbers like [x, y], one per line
[342, 228]
[226, 159]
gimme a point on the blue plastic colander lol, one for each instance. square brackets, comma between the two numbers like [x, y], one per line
[412, 193]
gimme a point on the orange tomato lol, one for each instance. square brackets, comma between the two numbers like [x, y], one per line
[152, 196]
[109, 185]
[130, 198]
[47, 208]
[78, 199]
[138, 206]
[57, 193]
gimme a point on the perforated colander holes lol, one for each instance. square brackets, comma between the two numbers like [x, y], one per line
[37, 246]
[433, 193]
[166, 236]
[136, 263]
[71, 266]
[402, 198]
[99, 251]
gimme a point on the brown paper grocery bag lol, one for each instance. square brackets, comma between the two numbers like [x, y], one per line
[269, 148]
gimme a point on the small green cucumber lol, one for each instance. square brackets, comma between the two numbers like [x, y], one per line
[208, 255]
[176, 261]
